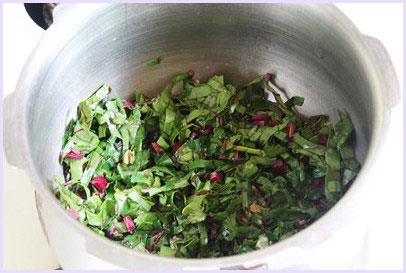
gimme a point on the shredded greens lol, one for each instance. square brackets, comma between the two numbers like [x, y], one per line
[211, 171]
[154, 62]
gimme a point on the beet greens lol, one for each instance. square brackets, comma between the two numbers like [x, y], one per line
[213, 171]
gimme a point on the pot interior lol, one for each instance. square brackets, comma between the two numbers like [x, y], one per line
[305, 46]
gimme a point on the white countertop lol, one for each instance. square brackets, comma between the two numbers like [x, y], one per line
[25, 246]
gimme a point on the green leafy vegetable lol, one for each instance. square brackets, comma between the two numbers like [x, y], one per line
[154, 62]
[213, 170]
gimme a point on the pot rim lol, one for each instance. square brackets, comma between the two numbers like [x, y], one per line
[31, 70]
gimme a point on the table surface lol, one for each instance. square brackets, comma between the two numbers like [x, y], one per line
[25, 246]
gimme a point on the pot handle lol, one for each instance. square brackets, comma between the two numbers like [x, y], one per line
[41, 13]
[386, 68]
[12, 142]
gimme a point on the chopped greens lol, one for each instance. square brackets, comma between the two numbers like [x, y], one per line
[154, 62]
[211, 171]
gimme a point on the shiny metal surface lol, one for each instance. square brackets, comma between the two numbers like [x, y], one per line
[313, 49]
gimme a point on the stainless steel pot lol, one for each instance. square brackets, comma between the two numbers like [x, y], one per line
[314, 49]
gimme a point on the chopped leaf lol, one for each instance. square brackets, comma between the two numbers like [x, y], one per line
[154, 62]
[193, 210]
[294, 101]
[343, 129]
[148, 221]
[207, 172]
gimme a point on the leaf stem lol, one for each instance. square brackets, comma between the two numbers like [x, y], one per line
[248, 150]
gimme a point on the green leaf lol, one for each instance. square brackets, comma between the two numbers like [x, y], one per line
[195, 114]
[94, 161]
[172, 184]
[288, 214]
[333, 158]
[136, 196]
[274, 150]
[309, 146]
[74, 201]
[213, 95]
[248, 150]
[348, 176]
[69, 131]
[162, 143]
[185, 154]
[148, 221]
[87, 107]
[132, 125]
[194, 210]
[94, 203]
[167, 251]
[206, 164]
[249, 169]
[294, 101]
[154, 62]
[126, 138]
[343, 129]
[76, 167]
[203, 234]
[99, 219]
[84, 141]
[142, 177]
[164, 102]
[332, 184]
[262, 242]
[348, 157]
[168, 124]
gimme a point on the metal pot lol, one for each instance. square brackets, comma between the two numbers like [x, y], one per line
[314, 50]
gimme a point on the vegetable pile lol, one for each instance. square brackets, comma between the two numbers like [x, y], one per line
[210, 171]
